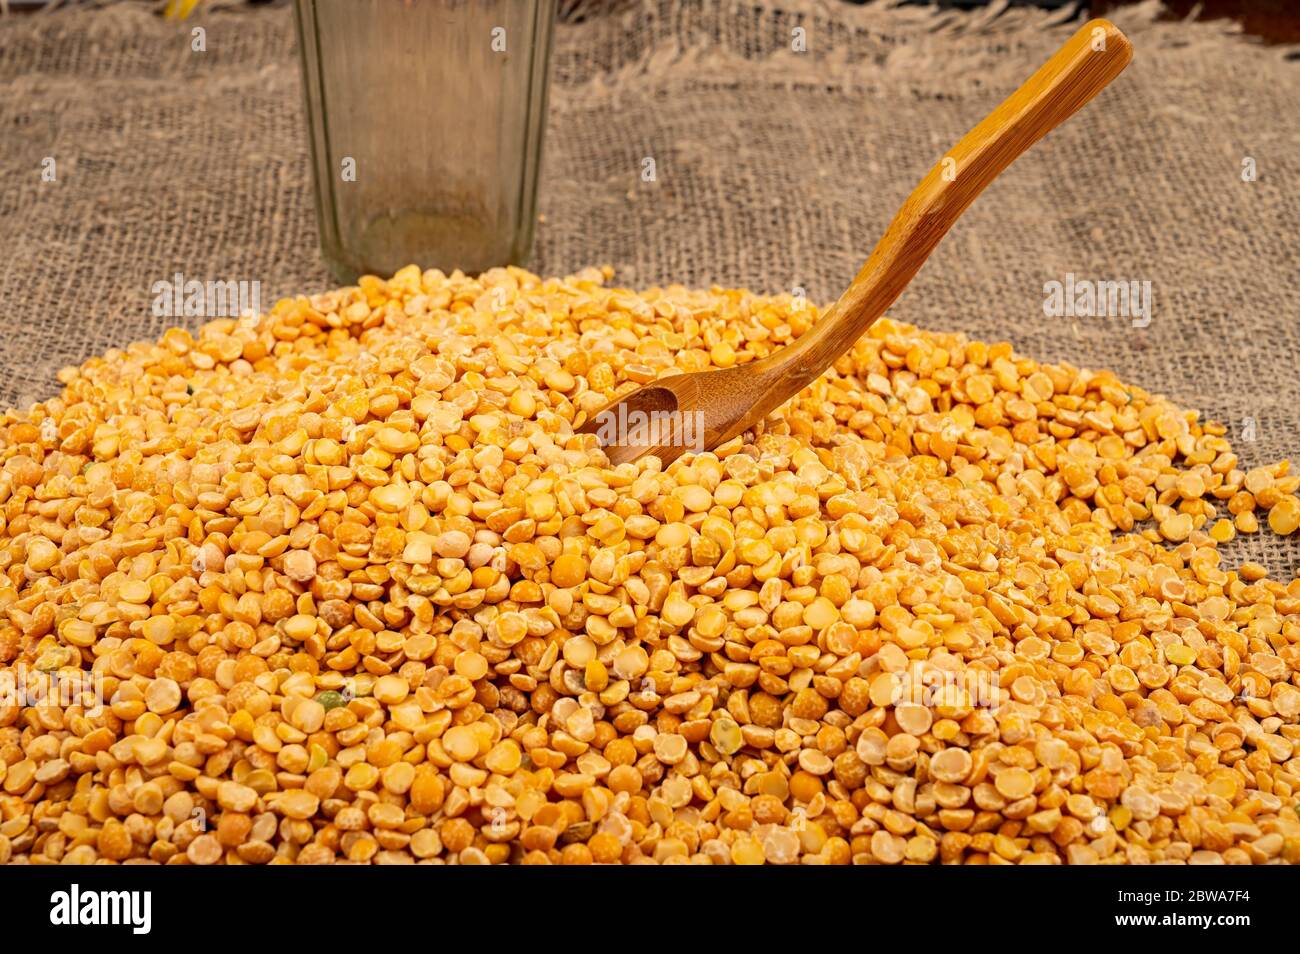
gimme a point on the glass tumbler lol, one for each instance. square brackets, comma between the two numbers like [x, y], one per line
[426, 120]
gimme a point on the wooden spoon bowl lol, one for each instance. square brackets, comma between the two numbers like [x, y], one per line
[699, 411]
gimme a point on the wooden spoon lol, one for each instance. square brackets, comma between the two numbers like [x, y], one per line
[727, 402]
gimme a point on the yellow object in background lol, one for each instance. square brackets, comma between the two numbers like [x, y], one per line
[179, 9]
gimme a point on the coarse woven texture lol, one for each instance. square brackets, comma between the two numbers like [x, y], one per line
[775, 170]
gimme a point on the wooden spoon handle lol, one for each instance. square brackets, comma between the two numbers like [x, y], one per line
[1094, 56]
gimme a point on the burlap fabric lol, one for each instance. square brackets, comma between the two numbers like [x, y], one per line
[776, 169]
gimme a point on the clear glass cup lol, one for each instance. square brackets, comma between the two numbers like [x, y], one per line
[426, 121]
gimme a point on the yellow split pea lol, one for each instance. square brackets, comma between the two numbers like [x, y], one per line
[352, 588]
